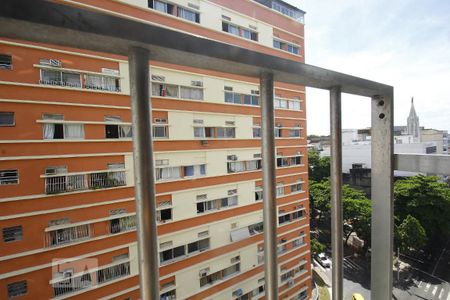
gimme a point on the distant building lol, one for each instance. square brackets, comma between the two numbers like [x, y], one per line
[413, 123]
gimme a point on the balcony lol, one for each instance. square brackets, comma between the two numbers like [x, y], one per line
[57, 184]
[66, 283]
[67, 235]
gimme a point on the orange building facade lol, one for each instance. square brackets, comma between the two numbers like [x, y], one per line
[67, 210]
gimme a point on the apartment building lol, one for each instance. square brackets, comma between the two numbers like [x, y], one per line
[67, 210]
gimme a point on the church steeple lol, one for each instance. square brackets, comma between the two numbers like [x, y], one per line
[413, 123]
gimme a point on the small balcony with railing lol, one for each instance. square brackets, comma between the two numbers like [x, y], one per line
[63, 234]
[72, 182]
[65, 284]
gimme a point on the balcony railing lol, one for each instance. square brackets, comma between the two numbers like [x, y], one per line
[55, 184]
[67, 235]
[72, 284]
[122, 224]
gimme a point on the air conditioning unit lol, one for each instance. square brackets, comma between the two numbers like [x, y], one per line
[50, 62]
[204, 142]
[232, 157]
[228, 88]
[203, 272]
[226, 18]
[158, 78]
[194, 6]
[110, 71]
[196, 83]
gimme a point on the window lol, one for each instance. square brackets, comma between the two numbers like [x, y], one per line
[226, 132]
[168, 173]
[11, 234]
[5, 62]
[161, 6]
[281, 103]
[195, 170]
[188, 14]
[7, 119]
[288, 161]
[278, 132]
[294, 132]
[296, 14]
[243, 166]
[175, 253]
[258, 193]
[62, 78]
[231, 97]
[166, 90]
[296, 187]
[206, 279]
[122, 224]
[67, 235]
[116, 131]
[54, 130]
[294, 105]
[256, 132]
[293, 49]
[17, 289]
[164, 211]
[240, 31]
[9, 177]
[280, 190]
[216, 204]
[101, 82]
[198, 246]
[191, 93]
[160, 131]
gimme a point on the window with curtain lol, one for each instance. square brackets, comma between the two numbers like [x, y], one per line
[165, 90]
[73, 131]
[51, 77]
[191, 93]
[199, 132]
[99, 82]
[168, 173]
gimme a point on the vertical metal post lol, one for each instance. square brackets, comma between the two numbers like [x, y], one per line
[143, 173]
[269, 186]
[336, 193]
[382, 196]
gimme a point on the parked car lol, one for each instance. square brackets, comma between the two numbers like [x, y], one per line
[324, 260]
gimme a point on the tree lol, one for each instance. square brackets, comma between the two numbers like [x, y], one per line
[410, 234]
[319, 193]
[357, 214]
[356, 208]
[318, 167]
[317, 247]
[428, 200]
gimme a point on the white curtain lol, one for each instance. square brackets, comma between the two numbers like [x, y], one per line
[49, 131]
[125, 131]
[73, 131]
[191, 93]
[167, 173]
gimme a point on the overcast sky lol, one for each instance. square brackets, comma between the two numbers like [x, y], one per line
[403, 43]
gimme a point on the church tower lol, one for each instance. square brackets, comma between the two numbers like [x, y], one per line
[413, 123]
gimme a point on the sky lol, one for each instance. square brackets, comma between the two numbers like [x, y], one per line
[403, 43]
